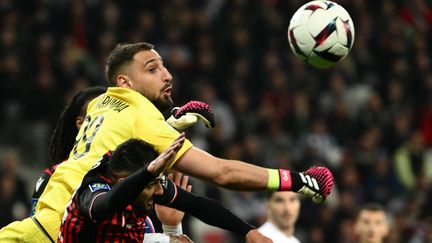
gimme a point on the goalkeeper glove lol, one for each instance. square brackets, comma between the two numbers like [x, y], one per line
[316, 183]
[187, 115]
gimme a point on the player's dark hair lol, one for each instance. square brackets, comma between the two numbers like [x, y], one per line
[375, 207]
[131, 155]
[269, 194]
[121, 55]
[63, 137]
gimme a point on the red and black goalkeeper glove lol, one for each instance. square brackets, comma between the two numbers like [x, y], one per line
[187, 115]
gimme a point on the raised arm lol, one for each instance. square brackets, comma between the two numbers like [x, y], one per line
[209, 211]
[232, 174]
[170, 217]
[123, 193]
[127, 190]
[315, 183]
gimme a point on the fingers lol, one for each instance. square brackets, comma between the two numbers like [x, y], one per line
[181, 181]
[174, 147]
[180, 137]
[167, 156]
[178, 178]
[178, 141]
[179, 144]
[184, 182]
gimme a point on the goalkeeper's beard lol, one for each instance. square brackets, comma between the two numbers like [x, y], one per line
[163, 104]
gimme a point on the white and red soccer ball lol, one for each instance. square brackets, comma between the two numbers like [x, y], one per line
[321, 33]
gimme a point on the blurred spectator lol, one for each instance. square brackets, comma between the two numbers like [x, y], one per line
[371, 225]
[381, 184]
[248, 206]
[225, 128]
[341, 123]
[319, 140]
[14, 203]
[351, 191]
[373, 112]
[367, 149]
[413, 163]
[298, 121]
[283, 209]
[426, 120]
[398, 130]
[245, 117]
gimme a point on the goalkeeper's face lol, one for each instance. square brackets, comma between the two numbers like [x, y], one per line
[283, 209]
[145, 200]
[148, 75]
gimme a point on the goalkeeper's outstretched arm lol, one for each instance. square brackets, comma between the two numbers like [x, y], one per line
[315, 183]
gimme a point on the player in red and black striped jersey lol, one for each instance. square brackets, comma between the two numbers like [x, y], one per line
[119, 191]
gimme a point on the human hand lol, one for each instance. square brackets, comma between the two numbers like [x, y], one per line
[254, 236]
[158, 165]
[179, 239]
[171, 216]
[187, 115]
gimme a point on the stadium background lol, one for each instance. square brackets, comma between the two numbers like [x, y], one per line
[369, 118]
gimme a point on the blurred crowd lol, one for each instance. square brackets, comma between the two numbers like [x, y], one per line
[368, 118]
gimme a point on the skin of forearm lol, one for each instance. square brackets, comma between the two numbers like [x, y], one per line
[239, 175]
[231, 174]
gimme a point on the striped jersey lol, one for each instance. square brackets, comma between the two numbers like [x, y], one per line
[125, 225]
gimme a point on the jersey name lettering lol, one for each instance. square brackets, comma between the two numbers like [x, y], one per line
[112, 103]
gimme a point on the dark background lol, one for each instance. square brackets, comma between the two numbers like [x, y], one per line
[368, 118]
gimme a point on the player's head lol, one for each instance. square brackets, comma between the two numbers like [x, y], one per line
[371, 224]
[283, 209]
[69, 123]
[139, 67]
[129, 157]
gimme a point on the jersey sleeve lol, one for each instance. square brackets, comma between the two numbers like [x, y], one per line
[205, 209]
[42, 182]
[40, 187]
[101, 201]
[169, 194]
[87, 196]
[152, 128]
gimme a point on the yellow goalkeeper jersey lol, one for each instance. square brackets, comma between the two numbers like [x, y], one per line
[112, 118]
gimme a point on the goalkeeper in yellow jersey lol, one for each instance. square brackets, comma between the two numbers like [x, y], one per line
[132, 107]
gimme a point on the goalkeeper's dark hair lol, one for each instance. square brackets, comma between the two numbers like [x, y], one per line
[121, 55]
[63, 137]
[132, 155]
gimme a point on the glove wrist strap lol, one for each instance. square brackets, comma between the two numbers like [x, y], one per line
[285, 180]
[279, 180]
[273, 182]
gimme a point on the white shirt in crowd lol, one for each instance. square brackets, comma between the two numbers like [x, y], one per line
[271, 231]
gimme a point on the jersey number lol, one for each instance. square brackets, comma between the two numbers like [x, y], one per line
[90, 129]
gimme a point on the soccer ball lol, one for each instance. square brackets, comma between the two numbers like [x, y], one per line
[321, 33]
